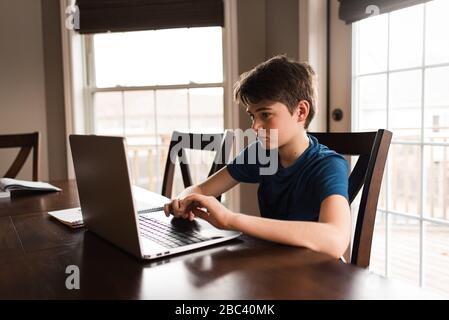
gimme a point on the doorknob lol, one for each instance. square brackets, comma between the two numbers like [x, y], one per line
[337, 114]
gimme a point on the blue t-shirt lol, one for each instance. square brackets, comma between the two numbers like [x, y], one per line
[295, 192]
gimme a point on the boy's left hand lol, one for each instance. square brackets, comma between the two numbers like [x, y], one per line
[216, 214]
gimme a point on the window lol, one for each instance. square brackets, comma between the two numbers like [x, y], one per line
[143, 85]
[401, 82]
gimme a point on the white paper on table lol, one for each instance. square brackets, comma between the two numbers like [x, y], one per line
[70, 216]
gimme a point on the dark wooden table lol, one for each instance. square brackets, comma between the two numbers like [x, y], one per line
[35, 251]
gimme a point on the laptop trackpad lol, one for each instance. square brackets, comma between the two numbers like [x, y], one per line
[201, 226]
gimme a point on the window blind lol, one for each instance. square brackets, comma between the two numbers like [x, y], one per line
[96, 16]
[354, 10]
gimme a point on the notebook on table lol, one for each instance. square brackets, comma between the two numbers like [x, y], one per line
[10, 186]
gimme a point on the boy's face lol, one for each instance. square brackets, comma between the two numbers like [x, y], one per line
[272, 121]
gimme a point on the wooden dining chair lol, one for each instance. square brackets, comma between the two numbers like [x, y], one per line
[195, 141]
[372, 149]
[25, 142]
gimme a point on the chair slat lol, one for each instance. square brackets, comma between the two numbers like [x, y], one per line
[220, 142]
[357, 177]
[348, 143]
[25, 142]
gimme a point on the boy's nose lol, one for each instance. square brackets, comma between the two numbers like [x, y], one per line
[256, 125]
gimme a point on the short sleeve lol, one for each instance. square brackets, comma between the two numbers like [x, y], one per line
[332, 177]
[245, 168]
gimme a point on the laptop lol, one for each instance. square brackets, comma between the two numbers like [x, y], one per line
[109, 206]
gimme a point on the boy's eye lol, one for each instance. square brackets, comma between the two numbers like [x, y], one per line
[265, 114]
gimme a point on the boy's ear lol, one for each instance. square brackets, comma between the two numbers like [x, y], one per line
[302, 111]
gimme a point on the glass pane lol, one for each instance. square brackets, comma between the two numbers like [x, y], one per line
[382, 203]
[110, 50]
[372, 40]
[146, 166]
[372, 102]
[405, 181]
[108, 113]
[139, 116]
[160, 57]
[372, 120]
[437, 37]
[406, 37]
[437, 104]
[172, 64]
[405, 105]
[137, 159]
[205, 55]
[436, 187]
[206, 110]
[141, 58]
[377, 261]
[172, 114]
[141, 137]
[404, 249]
[172, 111]
[436, 257]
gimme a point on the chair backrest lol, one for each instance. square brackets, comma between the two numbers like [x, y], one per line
[25, 142]
[372, 149]
[219, 142]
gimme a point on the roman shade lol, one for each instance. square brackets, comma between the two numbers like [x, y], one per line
[96, 16]
[354, 10]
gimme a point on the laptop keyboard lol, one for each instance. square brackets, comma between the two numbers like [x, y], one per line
[165, 235]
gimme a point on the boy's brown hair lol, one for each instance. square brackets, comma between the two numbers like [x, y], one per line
[282, 80]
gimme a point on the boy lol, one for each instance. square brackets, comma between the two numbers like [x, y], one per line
[305, 202]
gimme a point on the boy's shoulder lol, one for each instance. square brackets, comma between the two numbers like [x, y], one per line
[325, 157]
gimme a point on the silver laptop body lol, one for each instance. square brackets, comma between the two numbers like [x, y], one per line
[109, 208]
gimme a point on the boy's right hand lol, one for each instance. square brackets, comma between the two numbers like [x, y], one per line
[174, 207]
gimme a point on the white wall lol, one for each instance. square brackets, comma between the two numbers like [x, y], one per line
[54, 90]
[22, 79]
[282, 28]
[313, 49]
[31, 83]
[340, 69]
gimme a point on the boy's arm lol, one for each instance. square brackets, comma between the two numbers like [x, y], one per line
[331, 234]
